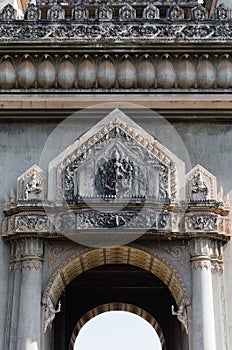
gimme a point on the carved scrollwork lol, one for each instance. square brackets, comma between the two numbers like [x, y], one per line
[117, 174]
[114, 32]
[201, 223]
[122, 219]
[31, 223]
[32, 185]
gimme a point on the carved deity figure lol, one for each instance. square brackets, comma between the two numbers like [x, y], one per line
[127, 13]
[199, 188]
[182, 316]
[50, 313]
[115, 176]
[34, 186]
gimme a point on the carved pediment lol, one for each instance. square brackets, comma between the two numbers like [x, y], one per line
[32, 184]
[201, 184]
[116, 159]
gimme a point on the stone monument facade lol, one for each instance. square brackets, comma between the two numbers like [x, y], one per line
[118, 208]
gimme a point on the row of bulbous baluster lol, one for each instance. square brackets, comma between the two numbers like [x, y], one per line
[116, 72]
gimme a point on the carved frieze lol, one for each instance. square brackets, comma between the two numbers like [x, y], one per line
[199, 223]
[128, 31]
[32, 223]
[121, 220]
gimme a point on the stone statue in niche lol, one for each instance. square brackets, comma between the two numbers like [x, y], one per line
[115, 176]
[127, 13]
[104, 13]
[151, 13]
[80, 13]
[199, 188]
[34, 186]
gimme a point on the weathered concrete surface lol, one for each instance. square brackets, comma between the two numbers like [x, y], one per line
[207, 143]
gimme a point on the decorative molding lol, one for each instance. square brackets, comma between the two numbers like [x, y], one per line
[109, 32]
[201, 248]
[26, 254]
[206, 254]
[202, 265]
[124, 219]
[174, 279]
[156, 72]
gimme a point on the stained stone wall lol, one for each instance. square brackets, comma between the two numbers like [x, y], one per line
[21, 143]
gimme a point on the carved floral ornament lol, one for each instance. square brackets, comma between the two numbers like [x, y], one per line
[116, 162]
[113, 20]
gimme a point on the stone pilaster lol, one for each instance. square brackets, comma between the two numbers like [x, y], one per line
[203, 325]
[13, 295]
[29, 326]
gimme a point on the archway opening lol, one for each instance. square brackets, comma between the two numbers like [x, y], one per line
[114, 287]
[117, 330]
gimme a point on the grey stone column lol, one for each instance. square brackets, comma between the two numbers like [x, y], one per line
[203, 325]
[29, 327]
[13, 296]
